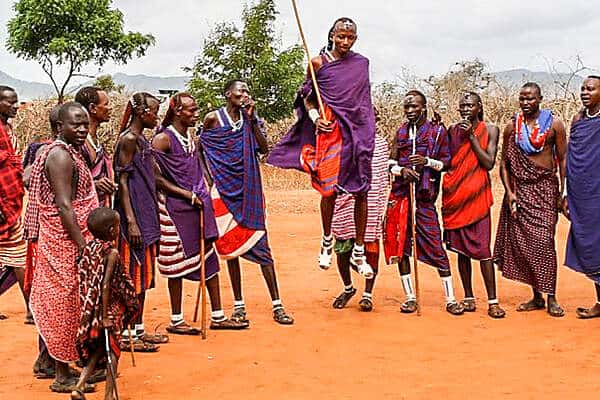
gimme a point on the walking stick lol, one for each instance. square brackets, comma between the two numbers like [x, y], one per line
[202, 284]
[131, 345]
[413, 204]
[311, 69]
[112, 375]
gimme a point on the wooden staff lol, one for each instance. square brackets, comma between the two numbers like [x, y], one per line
[413, 204]
[311, 69]
[202, 284]
[131, 345]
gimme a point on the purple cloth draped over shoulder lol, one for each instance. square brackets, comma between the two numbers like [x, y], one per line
[345, 87]
[583, 193]
[142, 192]
[185, 170]
[231, 158]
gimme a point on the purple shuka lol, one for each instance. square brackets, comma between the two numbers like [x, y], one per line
[583, 193]
[185, 170]
[142, 192]
[345, 87]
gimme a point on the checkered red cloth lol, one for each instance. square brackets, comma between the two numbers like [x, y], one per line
[11, 181]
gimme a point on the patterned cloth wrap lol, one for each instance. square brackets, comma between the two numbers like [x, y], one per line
[123, 302]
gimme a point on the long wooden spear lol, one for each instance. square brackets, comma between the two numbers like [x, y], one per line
[311, 69]
[413, 204]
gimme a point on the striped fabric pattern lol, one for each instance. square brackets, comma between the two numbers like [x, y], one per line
[13, 249]
[343, 215]
[172, 261]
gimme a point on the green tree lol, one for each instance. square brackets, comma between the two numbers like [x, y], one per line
[72, 33]
[106, 83]
[253, 54]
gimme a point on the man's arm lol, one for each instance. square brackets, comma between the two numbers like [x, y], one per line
[128, 144]
[561, 152]
[161, 143]
[486, 158]
[511, 196]
[59, 168]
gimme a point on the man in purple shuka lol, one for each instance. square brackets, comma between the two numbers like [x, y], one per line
[183, 193]
[335, 148]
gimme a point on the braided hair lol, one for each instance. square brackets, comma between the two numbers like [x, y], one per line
[136, 105]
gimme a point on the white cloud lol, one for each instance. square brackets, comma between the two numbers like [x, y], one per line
[425, 36]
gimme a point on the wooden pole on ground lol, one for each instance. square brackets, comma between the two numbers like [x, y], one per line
[413, 204]
[202, 283]
[131, 345]
[311, 69]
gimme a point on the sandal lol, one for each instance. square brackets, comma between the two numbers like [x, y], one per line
[365, 304]
[70, 386]
[50, 373]
[343, 299]
[228, 324]
[555, 310]
[182, 328]
[2, 317]
[326, 252]
[281, 317]
[239, 314]
[139, 346]
[495, 311]
[532, 305]
[588, 313]
[29, 320]
[408, 307]
[455, 308]
[469, 304]
[154, 338]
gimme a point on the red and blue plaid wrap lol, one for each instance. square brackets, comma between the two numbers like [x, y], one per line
[11, 182]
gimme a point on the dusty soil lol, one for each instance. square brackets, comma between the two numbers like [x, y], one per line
[345, 354]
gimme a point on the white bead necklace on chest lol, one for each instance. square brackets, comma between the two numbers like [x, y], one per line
[185, 141]
[237, 125]
[96, 146]
[587, 113]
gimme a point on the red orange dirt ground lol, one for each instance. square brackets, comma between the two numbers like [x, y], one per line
[333, 354]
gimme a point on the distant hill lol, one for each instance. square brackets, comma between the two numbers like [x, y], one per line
[517, 77]
[133, 83]
[136, 83]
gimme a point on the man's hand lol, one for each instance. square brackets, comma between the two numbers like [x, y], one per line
[134, 234]
[323, 125]
[196, 201]
[106, 323]
[466, 126]
[417, 160]
[105, 185]
[410, 175]
[249, 107]
[513, 203]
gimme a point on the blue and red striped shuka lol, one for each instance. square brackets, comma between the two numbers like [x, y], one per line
[237, 195]
[432, 142]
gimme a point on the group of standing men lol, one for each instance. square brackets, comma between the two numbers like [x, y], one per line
[173, 193]
[337, 144]
[161, 194]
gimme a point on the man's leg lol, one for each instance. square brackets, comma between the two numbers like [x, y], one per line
[358, 257]
[178, 326]
[279, 314]
[554, 309]
[235, 276]
[20, 274]
[366, 302]
[88, 370]
[218, 320]
[465, 270]
[343, 263]
[410, 304]
[489, 278]
[326, 251]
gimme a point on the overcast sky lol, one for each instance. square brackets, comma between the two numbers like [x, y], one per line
[425, 36]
